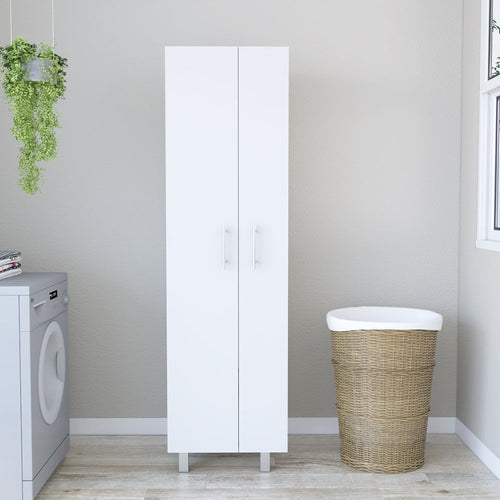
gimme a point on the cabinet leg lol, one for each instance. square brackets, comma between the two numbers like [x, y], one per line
[265, 462]
[183, 462]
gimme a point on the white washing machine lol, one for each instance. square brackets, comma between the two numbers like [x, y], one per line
[34, 402]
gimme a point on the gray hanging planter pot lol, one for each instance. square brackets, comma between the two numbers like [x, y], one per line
[39, 69]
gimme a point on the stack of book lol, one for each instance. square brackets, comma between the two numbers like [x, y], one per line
[10, 263]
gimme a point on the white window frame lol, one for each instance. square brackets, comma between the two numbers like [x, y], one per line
[488, 238]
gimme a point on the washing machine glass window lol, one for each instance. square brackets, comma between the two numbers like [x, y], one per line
[51, 372]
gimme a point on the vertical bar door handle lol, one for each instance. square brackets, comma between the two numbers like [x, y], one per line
[224, 260]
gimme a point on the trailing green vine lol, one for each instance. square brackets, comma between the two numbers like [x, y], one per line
[35, 118]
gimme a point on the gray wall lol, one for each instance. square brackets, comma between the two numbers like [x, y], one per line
[479, 301]
[374, 166]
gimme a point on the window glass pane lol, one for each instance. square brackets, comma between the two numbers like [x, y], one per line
[494, 49]
[497, 167]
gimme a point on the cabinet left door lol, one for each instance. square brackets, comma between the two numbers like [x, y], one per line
[201, 112]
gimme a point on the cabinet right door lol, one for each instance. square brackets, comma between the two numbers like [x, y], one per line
[263, 249]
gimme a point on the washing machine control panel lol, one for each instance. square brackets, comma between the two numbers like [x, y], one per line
[48, 303]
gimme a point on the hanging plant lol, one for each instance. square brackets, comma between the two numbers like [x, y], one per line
[33, 81]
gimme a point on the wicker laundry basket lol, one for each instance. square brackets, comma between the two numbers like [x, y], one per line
[383, 380]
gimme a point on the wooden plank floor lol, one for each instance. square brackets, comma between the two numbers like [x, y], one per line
[138, 467]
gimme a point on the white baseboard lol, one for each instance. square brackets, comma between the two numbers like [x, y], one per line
[158, 426]
[479, 448]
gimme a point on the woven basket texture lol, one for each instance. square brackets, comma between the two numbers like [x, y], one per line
[388, 393]
[382, 445]
[383, 381]
[384, 349]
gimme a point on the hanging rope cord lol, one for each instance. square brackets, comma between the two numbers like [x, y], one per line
[10, 15]
[53, 24]
[53, 31]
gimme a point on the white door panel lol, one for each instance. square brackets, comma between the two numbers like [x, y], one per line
[263, 250]
[202, 291]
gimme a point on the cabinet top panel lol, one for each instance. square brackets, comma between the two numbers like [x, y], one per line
[257, 47]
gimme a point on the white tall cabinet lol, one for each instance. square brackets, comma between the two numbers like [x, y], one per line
[227, 250]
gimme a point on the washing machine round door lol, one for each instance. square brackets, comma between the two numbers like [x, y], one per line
[51, 372]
